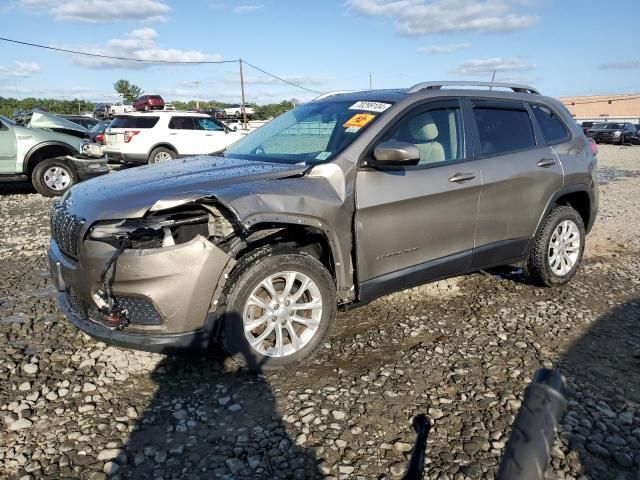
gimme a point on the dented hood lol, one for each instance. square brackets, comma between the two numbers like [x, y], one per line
[41, 119]
[131, 193]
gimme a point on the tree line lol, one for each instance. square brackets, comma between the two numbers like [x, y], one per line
[76, 106]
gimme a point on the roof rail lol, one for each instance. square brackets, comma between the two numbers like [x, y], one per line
[438, 85]
[331, 94]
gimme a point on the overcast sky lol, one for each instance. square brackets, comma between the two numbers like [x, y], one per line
[563, 47]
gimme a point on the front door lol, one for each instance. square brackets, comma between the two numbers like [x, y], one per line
[7, 148]
[417, 223]
[213, 136]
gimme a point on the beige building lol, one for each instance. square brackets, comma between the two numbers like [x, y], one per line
[624, 107]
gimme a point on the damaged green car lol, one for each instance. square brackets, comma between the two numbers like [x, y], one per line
[50, 152]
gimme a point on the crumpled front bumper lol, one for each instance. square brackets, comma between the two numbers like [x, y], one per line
[177, 282]
[88, 167]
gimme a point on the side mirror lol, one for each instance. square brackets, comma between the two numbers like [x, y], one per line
[396, 154]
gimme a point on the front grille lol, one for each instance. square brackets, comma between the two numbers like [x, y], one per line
[65, 229]
[141, 311]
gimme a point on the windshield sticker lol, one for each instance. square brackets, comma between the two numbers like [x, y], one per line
[352, 129]
[370, 106]
[323, 155]
[358, 120]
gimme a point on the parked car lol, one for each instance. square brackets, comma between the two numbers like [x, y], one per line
[119, 108]
[142, 137]
[101, 110]
[49, 153]
[97, 132]
[588, 125]
[169, 107]
[616, 132]
[235, 111]
[330, 205]
[86, 122]
[149, 102]
[217, 113]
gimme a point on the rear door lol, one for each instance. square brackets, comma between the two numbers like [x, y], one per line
[520, 174]
[417, 223]
[184, 135]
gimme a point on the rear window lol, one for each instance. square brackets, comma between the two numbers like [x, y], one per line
[134, 122]
[553, 129]
[503, 130]
[155, 97]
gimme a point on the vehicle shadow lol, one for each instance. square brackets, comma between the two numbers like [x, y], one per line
[16, 188]
[211, 419]
[602, 423]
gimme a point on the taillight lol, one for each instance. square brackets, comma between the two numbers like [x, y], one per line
[594, 146]
[100, 138]
[129, 134]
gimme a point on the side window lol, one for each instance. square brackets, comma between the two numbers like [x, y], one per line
[503, 130]
[436, 132]
[552, 128]
[182, 123]
[207, 124]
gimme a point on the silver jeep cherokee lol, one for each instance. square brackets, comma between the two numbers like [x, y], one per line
[331, 205]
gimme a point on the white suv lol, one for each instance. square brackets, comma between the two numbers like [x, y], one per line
[158, 136]
[119, 108]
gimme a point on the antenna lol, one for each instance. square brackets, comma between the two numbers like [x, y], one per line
[196, 83]
[17, 90]
[493, 77]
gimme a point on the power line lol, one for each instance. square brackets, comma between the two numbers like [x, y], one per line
[111, 57]
[607, 100]
[282, 79]
[166, 62]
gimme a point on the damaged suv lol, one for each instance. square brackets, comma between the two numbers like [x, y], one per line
[329, 206]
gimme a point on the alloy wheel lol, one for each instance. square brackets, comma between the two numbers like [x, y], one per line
[564, 247]
[282, 314]
[57, 178]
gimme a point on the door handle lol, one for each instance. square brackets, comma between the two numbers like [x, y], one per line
[546, 162]
[208, 135]
[173, 133]
[462, 177]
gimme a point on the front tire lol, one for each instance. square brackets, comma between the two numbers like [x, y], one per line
[558, 247]
[280, 307]
[53, 177]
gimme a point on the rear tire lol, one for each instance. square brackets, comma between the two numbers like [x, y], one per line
[558, 247]
[161, 154]
[53, 177]
[290, 335]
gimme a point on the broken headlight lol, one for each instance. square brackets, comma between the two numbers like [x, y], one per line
[153, 231]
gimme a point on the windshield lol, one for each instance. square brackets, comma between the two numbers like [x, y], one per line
[612, 126]
[311, 133]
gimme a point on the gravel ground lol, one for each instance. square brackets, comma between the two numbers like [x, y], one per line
[461, 350]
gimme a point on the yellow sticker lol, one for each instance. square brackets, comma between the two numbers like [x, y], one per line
[358, 120]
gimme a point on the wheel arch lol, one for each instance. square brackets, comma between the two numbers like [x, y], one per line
[44, 151]
[580, 197]
[302, 231]
[162, 145]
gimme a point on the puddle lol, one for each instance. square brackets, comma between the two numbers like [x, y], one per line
[607, 175]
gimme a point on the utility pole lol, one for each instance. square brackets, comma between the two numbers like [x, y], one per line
[244, 112]
[370, 81]
[493, 77]
[197, 83]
